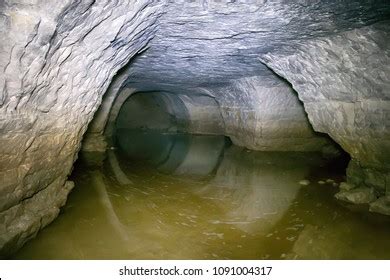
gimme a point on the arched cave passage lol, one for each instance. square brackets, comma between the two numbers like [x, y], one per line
[269, 119]
[169, 133]
[167, 82]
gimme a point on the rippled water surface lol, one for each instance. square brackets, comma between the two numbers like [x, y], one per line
[164, 196]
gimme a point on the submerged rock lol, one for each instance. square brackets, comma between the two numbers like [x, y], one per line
[381, 205]
[304, 182]
[359, 195]
[346, 186]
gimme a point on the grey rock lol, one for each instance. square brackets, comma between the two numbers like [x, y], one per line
[346, 101]
[56, 59]
[304, 182]
[359, 195]
[381, 205]
[344, 186]
[265, 114]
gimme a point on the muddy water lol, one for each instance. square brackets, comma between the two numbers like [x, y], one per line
[196, 197]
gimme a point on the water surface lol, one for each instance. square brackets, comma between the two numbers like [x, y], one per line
[165, 196]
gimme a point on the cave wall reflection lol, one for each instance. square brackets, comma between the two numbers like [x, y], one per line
[167, 195]
[255, 189]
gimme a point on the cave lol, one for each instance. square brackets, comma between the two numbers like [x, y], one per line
[195, 129]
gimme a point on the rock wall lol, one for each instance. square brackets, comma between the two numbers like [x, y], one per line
[256, 113]
[164, 112]
[147, 111]
[265, 114]
[204, 115]
[58, 59]
[94, 140]
[344, 83]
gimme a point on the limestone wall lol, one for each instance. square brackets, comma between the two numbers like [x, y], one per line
[344, 83]
[265, 114]
[58, 58]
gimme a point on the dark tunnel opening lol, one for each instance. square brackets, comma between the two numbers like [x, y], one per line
[155, 128]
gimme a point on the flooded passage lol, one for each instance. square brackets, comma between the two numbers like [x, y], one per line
[176, 196]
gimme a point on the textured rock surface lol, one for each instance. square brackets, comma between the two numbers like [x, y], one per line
[344, 83]
[265, 114]
[359, 195]
[381, 205]
[335, 55]
[256, 113]
[167, 112]
[58, 59]
[205, 43]
[210, 45]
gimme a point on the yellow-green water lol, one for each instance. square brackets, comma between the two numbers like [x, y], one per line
[213, 202]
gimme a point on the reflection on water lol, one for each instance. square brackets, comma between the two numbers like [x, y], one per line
[196, 197]
[173, 153]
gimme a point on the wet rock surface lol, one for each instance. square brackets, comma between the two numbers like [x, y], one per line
[266, 115]
[381, 205]
[57, 60]
[358, 195]
[342, 97]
